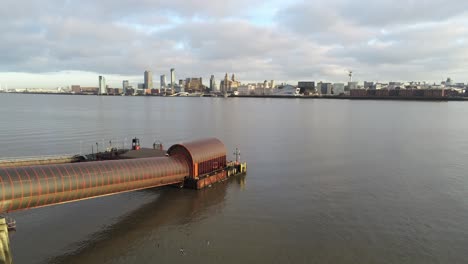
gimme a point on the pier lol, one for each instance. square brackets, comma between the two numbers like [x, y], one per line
[31, 184]
[196, 165]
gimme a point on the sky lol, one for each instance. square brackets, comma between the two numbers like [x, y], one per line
[50, 43]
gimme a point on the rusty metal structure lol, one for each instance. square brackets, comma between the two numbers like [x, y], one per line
[25, 185]
[203, 156]
[194, 164]
[37, 186]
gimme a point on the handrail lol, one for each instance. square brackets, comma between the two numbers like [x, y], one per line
[43, 157]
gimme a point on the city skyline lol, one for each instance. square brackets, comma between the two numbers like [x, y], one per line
[139, 80]
[75, 41]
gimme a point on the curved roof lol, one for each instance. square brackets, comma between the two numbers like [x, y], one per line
[202, 150]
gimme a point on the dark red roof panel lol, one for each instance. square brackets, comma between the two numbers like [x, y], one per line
[202, 150]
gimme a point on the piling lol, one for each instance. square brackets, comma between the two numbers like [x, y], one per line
[5, 254]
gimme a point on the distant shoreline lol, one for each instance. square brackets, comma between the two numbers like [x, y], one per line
[385, 98]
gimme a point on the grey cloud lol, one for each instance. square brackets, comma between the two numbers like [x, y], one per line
[390, 12]
[378, 37]
[309, 40]
[118, 9]
[322, 22]
[320, 16]
[411, 45]
[231, 39]
[347, 21]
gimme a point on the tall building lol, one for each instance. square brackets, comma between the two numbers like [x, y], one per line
[148, 80]
[325, 88]
[213, 87]
[125, 85]
[272, 84]
[163, 81]
[172, 78]
[102, 85]
[228, 85]
[306, 87]
[194, 85]
[338, 88]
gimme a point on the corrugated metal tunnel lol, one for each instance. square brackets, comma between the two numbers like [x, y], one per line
[35, 186]
[42, 185]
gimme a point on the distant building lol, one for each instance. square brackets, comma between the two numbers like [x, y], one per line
[141, 86]
[326, 88]
[228, 85]
[246, 89]
[369, 85]
[213, 87]
[194, 85]
[395, 85]
[130, 91]
[102, 85]
[306, 87]
[148, 80]
[286, 90]
[262, 90]
[173, 79]
[379, 86]
[338, 88]
[180, 87]
[351, 86]
[114, 91]
[90, 90]
[449, 82]
[272, 84]
[163, 81]
[125, 85]
[140, 92]
[76, 89]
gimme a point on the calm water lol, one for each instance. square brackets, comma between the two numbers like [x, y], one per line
[328, 182]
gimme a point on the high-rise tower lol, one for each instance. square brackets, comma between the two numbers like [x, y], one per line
[213, 84]
[225, 84]
[148, 80]
[125, 85]
[172, 78]
[102, 86]
[163, 81]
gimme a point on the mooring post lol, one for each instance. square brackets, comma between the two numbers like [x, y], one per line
[5, 254]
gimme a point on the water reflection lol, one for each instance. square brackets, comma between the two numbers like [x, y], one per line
[241, 180]
[173, 207]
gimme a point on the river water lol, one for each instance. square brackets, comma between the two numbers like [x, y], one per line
[329, 181]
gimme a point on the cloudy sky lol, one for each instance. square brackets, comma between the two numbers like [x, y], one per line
[49, 43]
